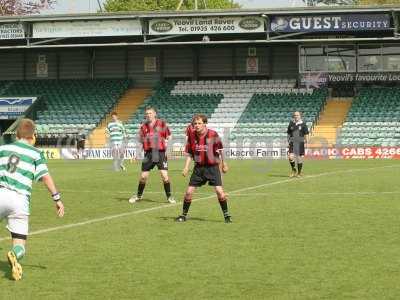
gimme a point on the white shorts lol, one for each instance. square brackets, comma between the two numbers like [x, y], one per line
[15, 208]
[117, 150]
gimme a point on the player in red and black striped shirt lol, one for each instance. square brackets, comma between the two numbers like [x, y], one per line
[154, 135]
[189, 130]
[204, 147]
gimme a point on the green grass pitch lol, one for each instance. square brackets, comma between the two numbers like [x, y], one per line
[333, 234]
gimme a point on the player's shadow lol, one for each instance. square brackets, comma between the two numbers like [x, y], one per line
[148, 200]
[278, 175]
[123, 199]
[5, 268]
[189, 219]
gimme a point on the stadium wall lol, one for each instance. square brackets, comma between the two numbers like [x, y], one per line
[179, 62]
[11, 65]
[278, 61]
[109, 63]
[285, 62]
[31, 59]
[75, 63]
[136, 66]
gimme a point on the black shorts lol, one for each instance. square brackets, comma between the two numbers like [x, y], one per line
[202, 174]
[152, 159]
[296, 149]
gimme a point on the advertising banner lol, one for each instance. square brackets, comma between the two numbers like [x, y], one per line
[207, 25]
[320, 79]
[354, 153]
[86, 28]
[150, 64]
[256, 153]
[252, 65]
[12, 31]
[13, 107]
[244, 153]
[96, 153]
[51, 153]
[330, 23]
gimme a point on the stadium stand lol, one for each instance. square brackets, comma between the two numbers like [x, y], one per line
[237, 94]
[70, 106]
[176, 108]
[373, 119]
[330, 121]
[127, 106]
[267, 115]
[252, 108]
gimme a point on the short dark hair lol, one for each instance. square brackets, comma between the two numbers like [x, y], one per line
[201, 117]
[26, 129]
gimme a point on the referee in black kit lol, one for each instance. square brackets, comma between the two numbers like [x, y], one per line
[297, 133]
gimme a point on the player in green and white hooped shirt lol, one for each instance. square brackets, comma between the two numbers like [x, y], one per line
[117, 139]
[20, 164]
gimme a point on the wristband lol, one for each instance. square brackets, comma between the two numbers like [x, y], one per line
[56, 196]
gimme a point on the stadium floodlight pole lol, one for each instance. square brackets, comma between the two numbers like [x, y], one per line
[99, 4]
[179, 5]
[196, 4]
[266, 24]
[396, 24]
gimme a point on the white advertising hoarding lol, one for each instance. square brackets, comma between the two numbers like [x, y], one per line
[208, 25]
[86, 28]
[12, 31]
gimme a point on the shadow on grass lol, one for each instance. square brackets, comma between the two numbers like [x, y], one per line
[189, 219]
[278, 175]
[149, 200]
[123, 199]
[5, 268]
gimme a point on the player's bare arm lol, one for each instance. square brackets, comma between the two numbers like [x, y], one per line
[223, 164]
[185, 170]
[49, 183]
[306, 136]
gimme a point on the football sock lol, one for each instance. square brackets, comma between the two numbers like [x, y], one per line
[167, 189]
[186, 206]
[293, 165]
[121, 162]
[299, 167]
[224, 206]
[115, 165]
[140, 189]
[19, 251]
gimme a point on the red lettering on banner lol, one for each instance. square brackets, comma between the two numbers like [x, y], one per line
[354, 153]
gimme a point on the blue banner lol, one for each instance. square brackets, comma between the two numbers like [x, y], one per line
[17, 101]
[330, 23]
[13, 107]
[322, 79]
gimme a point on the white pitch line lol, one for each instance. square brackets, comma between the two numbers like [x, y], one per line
[319, 193]
[309, 176]
[97, 220]
[241, 190]
[116, 192]
[234, 193]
